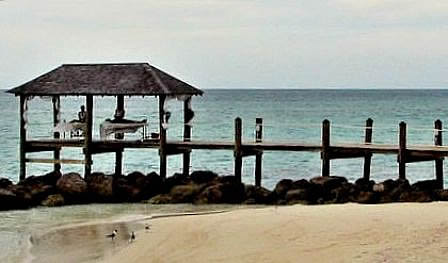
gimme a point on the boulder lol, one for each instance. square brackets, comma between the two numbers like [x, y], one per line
[282, 187]
[258, 195]
[202, 177]
[100, 187]
[328, 182]
[342, 194]
[176, 179]
[365, 197]
[5, 182]
[231, 193]
[73, 188]
[48, 179]
[160, 199]
[426, 185]
[136, 186]
[184, 193]
[441, 195]
[364, 185]
[53, 200]
[9, 200]
[298, 196]
[416, 196]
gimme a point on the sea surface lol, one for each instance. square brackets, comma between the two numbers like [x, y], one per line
[288, 116]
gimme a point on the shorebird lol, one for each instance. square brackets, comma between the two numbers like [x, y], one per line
[112, 235]
[132, 237]
[147, 227]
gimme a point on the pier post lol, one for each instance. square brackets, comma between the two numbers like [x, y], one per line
[325, 148]
[56, 109]
[258, 155]
[22, 154]
[368, 140]
[187, 135]
[402, 152]
[88, 136]
[162, 138]
[119, 136]
[238, 151]
[438, 162]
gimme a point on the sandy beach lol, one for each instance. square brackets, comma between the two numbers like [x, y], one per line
[400, 232]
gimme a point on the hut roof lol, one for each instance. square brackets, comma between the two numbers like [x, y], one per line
[106, 79]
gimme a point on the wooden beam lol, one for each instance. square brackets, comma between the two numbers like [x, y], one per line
[238, 151]
[22, 143]
[368, 156]
[119, 136]
[187, 135]
[56, 111]
[88, 136]
[162, 137]
[325, 156]
[402, 151]
[55, 161]
[259, 155]
[439, 162]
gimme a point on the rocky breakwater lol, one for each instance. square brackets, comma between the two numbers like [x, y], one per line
[205, 187]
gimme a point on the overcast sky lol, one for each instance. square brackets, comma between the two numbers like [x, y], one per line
[234, 43]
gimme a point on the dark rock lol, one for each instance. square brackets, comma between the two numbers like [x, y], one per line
[184, 193]
[259, 195]
[364, 197]
[5, 182]
[328, 182]
[416, 196]
[441, 195]
[73, 188]
[154, 185]
[101, 187]
[394, 188]
[301, 184]
[282, 187]
[9, 200]
[231, 193]
[364, 185]
[39, 192]
[202, 177]
[298, 196]
[48, 179]
[341, 194]
[426, 185]
[53, 200]
[176, 179]
[160, 199]
[23, 197]
[137, 187]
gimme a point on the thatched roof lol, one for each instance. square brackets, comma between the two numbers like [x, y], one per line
[106, 79]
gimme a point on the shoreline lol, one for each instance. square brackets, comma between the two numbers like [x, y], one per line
[405, 232]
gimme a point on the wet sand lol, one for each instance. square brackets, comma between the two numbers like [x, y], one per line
[401, 232]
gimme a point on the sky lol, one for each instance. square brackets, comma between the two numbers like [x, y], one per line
[235, 43]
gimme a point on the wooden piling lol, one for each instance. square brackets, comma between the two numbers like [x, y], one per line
[22, 154]
[187, 136]
[56, 109]
[325, 148]
[368, 140]
[402, 151]
[88, 136]
[258, 155]
[162, 138]
[119, 136]
[438, 162]
[238, 149]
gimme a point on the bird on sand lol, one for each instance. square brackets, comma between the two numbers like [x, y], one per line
[147, 227]
[132, 237]
[112, 235]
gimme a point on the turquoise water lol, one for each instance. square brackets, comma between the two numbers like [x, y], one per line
[288, 115]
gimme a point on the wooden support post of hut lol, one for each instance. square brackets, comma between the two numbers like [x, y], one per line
[22, 144]
[368, 140]
[162, 137]
[119, 136]
[259, 154]
[439, 161]
[325, 154]
[238, 153]
[402, 152]
[56, 113]
[188, 116]
[88, 136]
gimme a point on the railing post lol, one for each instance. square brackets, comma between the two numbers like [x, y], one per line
[162, 138]
[22, 155]
[438, 142]
[402, 152]
[119, 136]
[325, 148]
[258, 155]
[187, 135]
[368, 140]
[88, 136]
[238, 151]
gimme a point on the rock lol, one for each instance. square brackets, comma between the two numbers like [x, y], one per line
[48, 179]
[5, 182]
[328, 182]
[160, 199]
[39, 192]
[22, 199]
[379, 188]
[101, 187]
[137, 187]
[341, 194]
[441, 195]
[53, 200]
[426, 185]
[154, 185]
[231, 193]
[73, 188]
[9, 200]
[364, 197]
[301, 184]
[364, 185]
[184, 193]
[416, 196]
[258, 195]
[282, 187]
[297, 196]
[176, 179]
[202, 177]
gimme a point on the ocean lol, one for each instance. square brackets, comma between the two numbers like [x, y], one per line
[288, 116]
